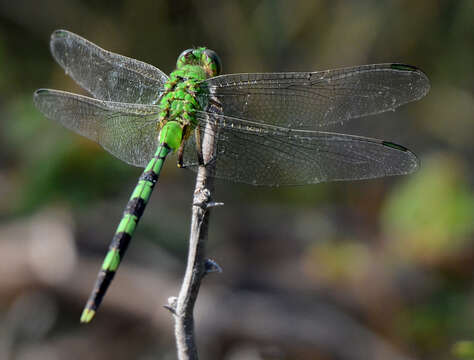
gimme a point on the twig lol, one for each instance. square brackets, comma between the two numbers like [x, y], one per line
[196, 268]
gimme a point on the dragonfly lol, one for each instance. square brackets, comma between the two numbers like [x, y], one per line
[267, 128]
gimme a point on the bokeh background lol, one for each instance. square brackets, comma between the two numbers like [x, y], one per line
[379, 269]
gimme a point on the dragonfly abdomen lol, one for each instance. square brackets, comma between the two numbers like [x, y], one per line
[131, 215]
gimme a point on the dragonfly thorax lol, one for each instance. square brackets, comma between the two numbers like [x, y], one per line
[179, 101]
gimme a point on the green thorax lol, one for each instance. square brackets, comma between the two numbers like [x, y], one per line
[179, 102]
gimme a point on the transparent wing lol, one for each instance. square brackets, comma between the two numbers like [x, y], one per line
[308, 100]
[259, 154]
[107, 76]
[127, 131]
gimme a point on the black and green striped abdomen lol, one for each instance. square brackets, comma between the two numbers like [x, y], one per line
[133, 211]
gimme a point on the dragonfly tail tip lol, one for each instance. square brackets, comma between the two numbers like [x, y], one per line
[87, 315]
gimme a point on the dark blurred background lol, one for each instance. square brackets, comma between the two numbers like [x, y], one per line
[379, 269]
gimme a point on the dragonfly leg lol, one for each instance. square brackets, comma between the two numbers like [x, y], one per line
[180, 156]
[197, 133]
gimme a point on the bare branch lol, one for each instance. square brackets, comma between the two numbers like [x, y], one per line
[196, 266]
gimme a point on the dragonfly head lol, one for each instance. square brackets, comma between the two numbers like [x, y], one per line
[206, 58]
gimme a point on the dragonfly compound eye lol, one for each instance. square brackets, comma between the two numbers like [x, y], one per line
[184, 58]
[214, 60]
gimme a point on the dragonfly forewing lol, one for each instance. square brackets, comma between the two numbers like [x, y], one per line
[106, 75]
[309, 100]
[259, 154]
[127, 131]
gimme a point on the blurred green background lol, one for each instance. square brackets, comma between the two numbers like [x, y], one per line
[379, 269]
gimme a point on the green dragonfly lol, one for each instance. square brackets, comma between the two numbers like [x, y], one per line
[265, 126]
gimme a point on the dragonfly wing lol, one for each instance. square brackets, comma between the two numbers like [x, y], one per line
[127, 131]
[259, 154]
[308, 100]
[107, 76]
